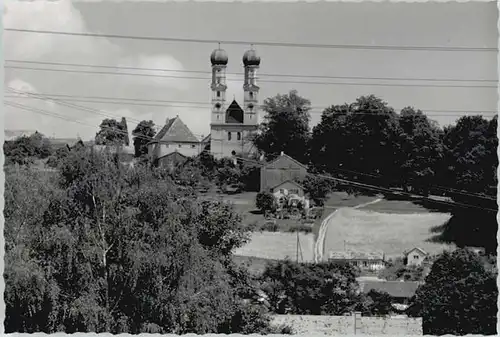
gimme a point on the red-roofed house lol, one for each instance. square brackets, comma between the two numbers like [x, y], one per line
[175, 136]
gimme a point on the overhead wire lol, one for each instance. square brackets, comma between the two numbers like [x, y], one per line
[399, 85]
[259, 43]
[260, 74]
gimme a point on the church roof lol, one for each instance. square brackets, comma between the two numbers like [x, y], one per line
[175, 131]
[234, 113]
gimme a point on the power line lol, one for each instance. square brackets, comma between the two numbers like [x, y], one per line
[199, 105]
[262, 43]
[260, 74]
[265, 81]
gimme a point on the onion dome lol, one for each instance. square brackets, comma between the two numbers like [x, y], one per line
[219, 57]
[250, 58]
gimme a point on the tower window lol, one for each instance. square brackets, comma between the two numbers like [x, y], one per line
[238, 135]
[218, 93]
[217, 117]
[229, 136]
[251, 95]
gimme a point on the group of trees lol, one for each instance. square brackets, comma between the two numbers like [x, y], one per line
[102, 247]
[368, 142]
[24, 150]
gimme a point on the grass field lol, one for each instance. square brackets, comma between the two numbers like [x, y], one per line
[278, 246]
[370, 231]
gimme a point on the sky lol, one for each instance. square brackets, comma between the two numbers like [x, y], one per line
[450, 24]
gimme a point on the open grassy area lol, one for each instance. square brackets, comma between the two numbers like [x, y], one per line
[278, 246]
[392, 234]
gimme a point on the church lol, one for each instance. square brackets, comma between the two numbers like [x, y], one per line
[232, 125]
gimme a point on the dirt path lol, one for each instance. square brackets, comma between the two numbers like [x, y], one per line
[320, 241]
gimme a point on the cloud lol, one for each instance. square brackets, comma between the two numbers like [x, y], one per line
[64, 16]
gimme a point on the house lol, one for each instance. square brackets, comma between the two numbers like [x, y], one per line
[288, 187]
[171, 160]
[175, 136]
[280, 170]
[401, 292]
[365, 261]
[415, 256]
[127, 152]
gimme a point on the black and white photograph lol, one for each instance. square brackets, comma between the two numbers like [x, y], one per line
[271, 168]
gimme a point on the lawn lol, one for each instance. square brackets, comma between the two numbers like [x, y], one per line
[392, 234]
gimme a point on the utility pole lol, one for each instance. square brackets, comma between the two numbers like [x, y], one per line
[297, 246]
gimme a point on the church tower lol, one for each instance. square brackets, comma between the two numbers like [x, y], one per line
[219, 61]
[251, 63]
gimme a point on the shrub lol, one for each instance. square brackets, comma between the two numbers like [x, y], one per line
[265, 201]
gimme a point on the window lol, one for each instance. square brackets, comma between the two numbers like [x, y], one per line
[294, 191]
[238, 135]
[229, 136]
[251, 95]
[415, 257]
[218, 93]
[193, 146]
[180, 145]
[365, 264]
[217, 117]
[282, 190]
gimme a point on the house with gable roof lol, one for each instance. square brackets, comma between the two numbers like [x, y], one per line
[281, 170]
[415, 256]
[175, 136]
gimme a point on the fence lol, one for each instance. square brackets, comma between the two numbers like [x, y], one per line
[348, 325]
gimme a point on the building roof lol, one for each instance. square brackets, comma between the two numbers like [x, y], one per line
[219, 57]
[234, 113]
[175, 131]
[394, 288]
[354, 255]
[206, 139]
[286, 156]
[171, 154]
[416, 248]
[250, 58]
[289, 181]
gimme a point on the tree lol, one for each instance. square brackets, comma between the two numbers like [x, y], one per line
[111, 132]
[143, 133]
[317, 188]
[377, 303]
[116, 249]
[285, 127]
[25, 149]
[422, 150]
[310, 289]
[351, 138]
[266, 202]
[468, 175]
[459, 296]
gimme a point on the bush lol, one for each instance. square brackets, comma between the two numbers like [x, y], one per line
[300, 228]
[270, 226]
[266, 202]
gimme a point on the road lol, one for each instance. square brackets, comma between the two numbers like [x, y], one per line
[328, 221]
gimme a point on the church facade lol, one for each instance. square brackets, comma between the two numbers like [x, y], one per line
[233, 125]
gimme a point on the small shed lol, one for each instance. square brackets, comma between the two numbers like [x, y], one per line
[401, 292]
[171, 160]
[283, 168]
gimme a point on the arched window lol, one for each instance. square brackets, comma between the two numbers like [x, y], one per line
[238, 135]
[218, 93]
[229, 136]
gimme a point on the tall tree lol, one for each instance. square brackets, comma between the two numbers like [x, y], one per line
[111, 133]
[143, 133]
[352, 138]
[422, 150]
[459, 297]
[285, 127]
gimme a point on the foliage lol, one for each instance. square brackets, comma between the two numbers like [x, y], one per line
[397, 270]
[422, 150]
[317, 188]
[112, 132]
[310, 289]
[459, 296]
[266, 202]
[377, 304]
[143, 132]
[24, 149]
[285, 127]
[58, 156]
[351, 138]
[108, 248]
